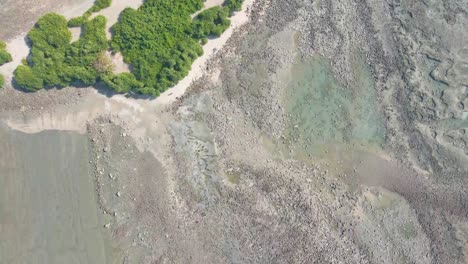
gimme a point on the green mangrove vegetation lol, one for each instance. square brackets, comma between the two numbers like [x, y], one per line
[160, 40]
[5, 57]
[233, 5]
[54, 61]
[211, 22]
[123, 82]
[97, 6]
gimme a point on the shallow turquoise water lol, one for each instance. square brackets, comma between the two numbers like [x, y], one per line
[324, 112]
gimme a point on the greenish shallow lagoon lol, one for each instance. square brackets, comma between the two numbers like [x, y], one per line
[323, 112]
[48, 209]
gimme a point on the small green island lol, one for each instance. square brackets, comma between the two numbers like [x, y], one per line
[160, 41]
[5, 57]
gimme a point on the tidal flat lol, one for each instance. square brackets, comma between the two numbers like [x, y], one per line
[48, 208]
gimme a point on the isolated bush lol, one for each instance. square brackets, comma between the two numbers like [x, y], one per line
[5, 57]
[233, 5]
[2, 81]
[99, 5]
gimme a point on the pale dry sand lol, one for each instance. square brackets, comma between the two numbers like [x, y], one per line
[76, 32]
[19, 50]
[119, 63]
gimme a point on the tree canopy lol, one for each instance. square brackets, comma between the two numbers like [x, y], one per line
[160, 40]
[5, 57]
[54, 61]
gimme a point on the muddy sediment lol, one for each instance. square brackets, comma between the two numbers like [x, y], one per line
[48, 203]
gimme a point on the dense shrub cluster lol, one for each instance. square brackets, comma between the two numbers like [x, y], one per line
[160, 40]
[5, 57]
[156, 40]
[54, 61]
[211, 22]
[77, 21]
[123, 82]
[233, 5]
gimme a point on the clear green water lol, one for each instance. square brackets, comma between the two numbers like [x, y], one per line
[324, 112]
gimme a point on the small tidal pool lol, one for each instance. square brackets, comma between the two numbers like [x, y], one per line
[323, 112]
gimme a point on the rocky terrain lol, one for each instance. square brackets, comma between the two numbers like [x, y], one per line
[324, 132]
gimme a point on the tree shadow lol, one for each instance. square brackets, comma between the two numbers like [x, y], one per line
[103, 89]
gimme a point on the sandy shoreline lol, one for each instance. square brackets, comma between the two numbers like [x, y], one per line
[209, 50]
